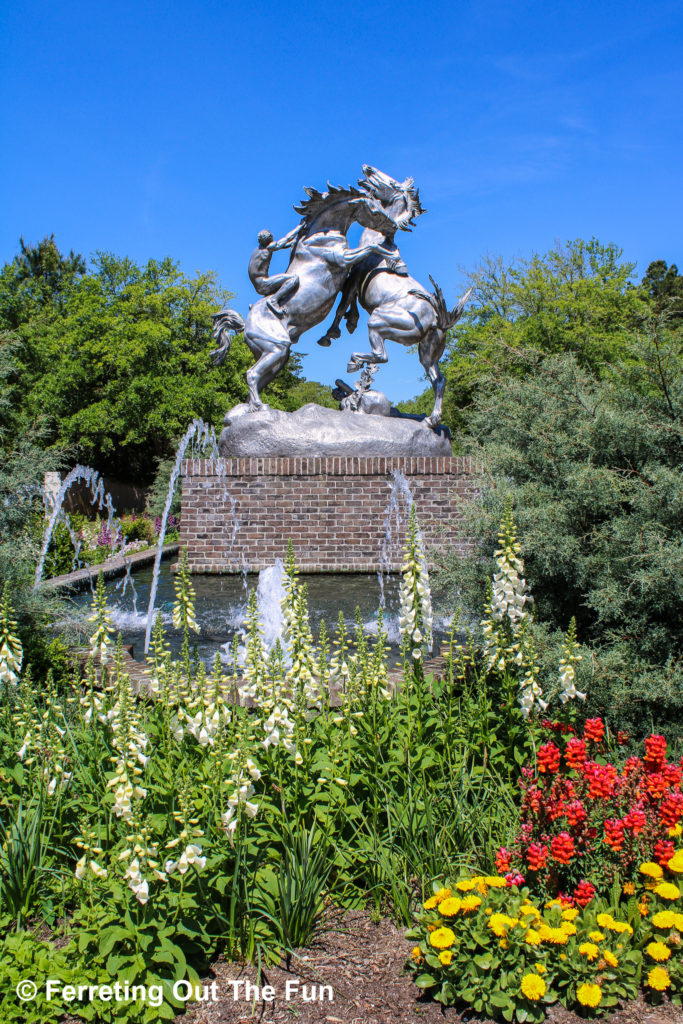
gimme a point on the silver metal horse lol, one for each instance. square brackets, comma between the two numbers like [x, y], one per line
[321, 261]
[400, 308]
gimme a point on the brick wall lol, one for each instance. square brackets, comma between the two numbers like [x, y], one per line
[333, 509]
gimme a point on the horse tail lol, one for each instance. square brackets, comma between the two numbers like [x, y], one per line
[445, 317]
[223, 323]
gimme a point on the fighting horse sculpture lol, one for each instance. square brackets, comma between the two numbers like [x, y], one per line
[400, 308]
[320, 260]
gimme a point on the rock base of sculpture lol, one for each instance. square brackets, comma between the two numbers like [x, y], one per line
[314, 431]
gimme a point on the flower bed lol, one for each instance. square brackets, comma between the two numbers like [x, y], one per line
[491, 944]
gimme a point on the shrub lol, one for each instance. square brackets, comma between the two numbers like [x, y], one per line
[592, 466]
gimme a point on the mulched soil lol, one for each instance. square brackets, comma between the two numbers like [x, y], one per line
[363, 964]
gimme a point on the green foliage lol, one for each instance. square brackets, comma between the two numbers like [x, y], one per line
[576, 298]
[592, 465]
[23, 464]
[23, 957]
[116, 358]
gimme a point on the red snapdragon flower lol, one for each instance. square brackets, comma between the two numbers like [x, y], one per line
[635, 820]
[671, 809]
[562, 848]
[602, 779]
[503, 861]
[575, 753]
[584, 893]
[594, 729]
[664, 851]
[656, 784]
[548, 759]
[576, 812]
[655, 753]
[514, 878]
[614, 833]
[537, 856]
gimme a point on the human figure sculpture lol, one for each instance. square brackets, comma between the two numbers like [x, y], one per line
[279, 286]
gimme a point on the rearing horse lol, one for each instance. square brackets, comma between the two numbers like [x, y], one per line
[322, 260]
[400, 309]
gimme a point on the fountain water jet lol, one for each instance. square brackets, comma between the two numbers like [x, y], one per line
[93, 479]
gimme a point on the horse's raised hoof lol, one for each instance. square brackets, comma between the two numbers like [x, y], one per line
[432, 422]
[354, 364]
[325, 342]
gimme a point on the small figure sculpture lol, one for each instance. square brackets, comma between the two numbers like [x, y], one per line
[363, 398]
[279, 286]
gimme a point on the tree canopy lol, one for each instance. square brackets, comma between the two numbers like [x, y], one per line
[114, 359]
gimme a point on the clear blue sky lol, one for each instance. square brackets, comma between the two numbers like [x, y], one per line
[152, 129]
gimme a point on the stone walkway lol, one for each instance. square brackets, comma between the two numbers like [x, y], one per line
[118, 566]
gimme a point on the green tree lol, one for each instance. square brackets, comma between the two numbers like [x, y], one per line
[664, 286]
[116, 360]
[593, 462]
[576, 298]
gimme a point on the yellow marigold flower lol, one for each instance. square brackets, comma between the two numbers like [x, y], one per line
[651, 870]
[676, 830]
[628, 889]
[658, 979]
[678, 922]
[605, 920]
[450, 906]
[667, 891]
[658, 951]
[532, 937]
[596, 936]
[470, 903]
[554, 903]
[533, 987]
[416, 954]
[541, 968]
[488, 911]
[466, 885]
[495, 882]
[644, 908]
[568, 927]
[589, 950]
[499, 924]
[504, 944]
[609, 958]
[556, 936]
[431, 903]
[527, 908]
[570, 914]
[563, 956]
[676, 862]
[442, 894]
[664, 919]
[442, 938]
[445, 956]
[589, 994]
[622, 927]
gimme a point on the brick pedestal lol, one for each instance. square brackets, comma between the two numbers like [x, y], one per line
[238, 511]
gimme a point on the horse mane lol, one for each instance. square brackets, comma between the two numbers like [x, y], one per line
[319, 201]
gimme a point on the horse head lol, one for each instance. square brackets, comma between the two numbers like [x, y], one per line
[339, 207]
[400, 199]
